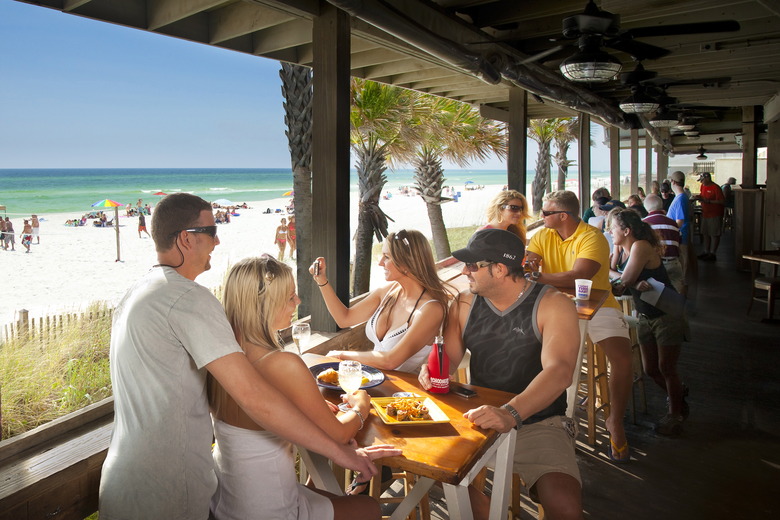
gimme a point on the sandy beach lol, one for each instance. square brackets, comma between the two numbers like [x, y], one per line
[74, 266]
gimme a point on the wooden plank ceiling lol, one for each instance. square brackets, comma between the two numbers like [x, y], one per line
[426, 45]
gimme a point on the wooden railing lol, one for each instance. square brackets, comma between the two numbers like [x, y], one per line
[49, 327]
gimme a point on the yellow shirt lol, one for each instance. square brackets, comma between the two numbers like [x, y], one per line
[559, 255]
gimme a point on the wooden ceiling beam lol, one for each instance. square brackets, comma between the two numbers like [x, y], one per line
[165, 12]
[242, 18]
[282, 36]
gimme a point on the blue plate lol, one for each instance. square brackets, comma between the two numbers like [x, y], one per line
[374, 375]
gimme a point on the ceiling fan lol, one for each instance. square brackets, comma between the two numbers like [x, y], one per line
[594, 29]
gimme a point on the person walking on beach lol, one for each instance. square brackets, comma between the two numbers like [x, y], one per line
[36, 229]
[142, 225]
[280, 238]
[168, 334]
[291, 236]
[27, 235]
[2, 233]
[9, 235]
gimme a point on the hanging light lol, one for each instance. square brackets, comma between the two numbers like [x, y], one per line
[664, 119]
[590, 64]
[638, 102]
[686, 124]
[691, 133]
[701, 156]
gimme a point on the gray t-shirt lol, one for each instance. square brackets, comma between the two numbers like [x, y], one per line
[159, 465]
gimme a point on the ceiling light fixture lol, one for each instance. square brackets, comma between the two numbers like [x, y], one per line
[691, 133]
[664, 119]
[590, 65]
[701, 156]
[686, 124]
[638, 103]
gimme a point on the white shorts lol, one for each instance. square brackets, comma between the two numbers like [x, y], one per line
[35, 231]
[608, 322]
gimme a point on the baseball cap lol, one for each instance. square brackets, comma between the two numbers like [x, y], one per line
[704, 175]
[609, 206]
[493, 245]
[678, 177]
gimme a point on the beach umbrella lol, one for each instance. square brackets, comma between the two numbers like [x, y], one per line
[288, 193]
[161, 194]
[469, 182]
[108, 203]
[224, 202]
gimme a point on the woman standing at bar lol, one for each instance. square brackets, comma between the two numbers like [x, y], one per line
[660, 334]
[508, 211]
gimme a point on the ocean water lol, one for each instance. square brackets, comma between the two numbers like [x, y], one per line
[27, 191]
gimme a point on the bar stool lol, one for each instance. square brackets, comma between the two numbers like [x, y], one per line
[594, 386]
[627, 302]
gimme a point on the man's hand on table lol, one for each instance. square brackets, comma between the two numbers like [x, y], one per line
[490, 417]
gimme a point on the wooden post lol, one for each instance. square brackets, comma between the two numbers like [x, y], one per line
[648, 162]
[584, 161]
[634, 164]
[772, 207]
[517, 158]
[330, 155]
[24, 324]
[750, 120]
[614, 162]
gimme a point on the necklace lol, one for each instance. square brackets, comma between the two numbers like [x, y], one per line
[525, 286]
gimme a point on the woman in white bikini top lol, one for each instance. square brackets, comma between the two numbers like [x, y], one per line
[400, 322]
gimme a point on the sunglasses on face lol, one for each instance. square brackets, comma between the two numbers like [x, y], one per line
[207, 230]
[513, 208]
[554, 212]
[473, 267]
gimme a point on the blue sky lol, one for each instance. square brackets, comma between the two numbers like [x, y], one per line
[78, 93]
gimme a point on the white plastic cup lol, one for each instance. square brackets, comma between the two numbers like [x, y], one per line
[583, 288]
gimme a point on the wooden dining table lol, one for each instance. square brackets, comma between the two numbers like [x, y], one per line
[452, 453]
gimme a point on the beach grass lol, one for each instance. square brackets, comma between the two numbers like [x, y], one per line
[46, 379]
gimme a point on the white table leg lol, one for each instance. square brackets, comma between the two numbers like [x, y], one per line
[502, 475]
[458, 501]
[421, 487]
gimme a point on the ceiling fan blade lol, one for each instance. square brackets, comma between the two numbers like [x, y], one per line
[720, 82]
[639, 50]
[684, 28]
[549, 54]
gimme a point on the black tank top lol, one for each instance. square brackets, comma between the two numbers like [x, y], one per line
[506, 347]
[660, 274]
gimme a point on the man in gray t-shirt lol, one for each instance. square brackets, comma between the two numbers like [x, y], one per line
[168, 332]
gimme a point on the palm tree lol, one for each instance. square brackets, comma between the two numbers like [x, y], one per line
[383, 130]
[298, 95]
[455, 131]
[566, 132]
[542, 131]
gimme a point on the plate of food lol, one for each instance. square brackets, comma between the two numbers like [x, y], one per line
[327, 375]
[408, 411]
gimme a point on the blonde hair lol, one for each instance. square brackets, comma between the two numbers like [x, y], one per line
[411, 253]
[256, 289]
[500, 200]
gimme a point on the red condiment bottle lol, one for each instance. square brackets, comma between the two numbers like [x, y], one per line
[439, 367]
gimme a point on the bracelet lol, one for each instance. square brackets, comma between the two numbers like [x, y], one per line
[323, 284]
[360, 416]
[516, 416]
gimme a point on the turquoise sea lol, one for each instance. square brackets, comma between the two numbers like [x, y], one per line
[27, 191]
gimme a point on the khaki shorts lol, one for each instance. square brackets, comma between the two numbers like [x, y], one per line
[674, 271]
[712, 226]
[608, 322]
[546, 447]
[664, 331]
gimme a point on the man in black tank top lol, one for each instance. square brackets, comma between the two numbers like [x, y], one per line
[524, 339]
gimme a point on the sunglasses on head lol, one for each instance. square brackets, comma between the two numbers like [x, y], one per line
[513, 208]
[554, 212]
[403, 236]
[473, 267]
[207, 230]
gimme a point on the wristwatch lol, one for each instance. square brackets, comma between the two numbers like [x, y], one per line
[516, 416]
[533, 275]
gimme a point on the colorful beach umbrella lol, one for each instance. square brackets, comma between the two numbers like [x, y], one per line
[161, 193]
[288, 193]
[108, 203]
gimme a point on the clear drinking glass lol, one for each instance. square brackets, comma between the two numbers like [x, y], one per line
[350, 377]
[301, 332]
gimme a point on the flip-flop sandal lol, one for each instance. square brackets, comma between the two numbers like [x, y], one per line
[620, 459]
[355, 484]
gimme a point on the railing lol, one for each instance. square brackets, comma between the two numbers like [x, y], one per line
[46, 328]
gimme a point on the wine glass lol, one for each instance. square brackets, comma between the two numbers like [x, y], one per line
[301, 332]
[350, 378]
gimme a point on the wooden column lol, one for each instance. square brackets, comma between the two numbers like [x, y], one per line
[662, 161]
[517, 158]
[330, 156]
[634, 162]
[772, 184]
[750, 120]
[648, 162]
[584, 160]
[614, 161]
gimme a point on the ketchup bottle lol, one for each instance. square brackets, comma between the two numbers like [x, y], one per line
[439, 367]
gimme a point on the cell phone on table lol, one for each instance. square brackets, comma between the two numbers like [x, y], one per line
[463, 392]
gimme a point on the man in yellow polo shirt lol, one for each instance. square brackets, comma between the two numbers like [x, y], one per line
[566, 249]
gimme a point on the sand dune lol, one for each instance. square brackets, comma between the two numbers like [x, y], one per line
[72, 267]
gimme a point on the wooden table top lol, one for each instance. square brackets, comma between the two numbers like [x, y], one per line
[587, 308]
[443, 452]
[769, 259]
